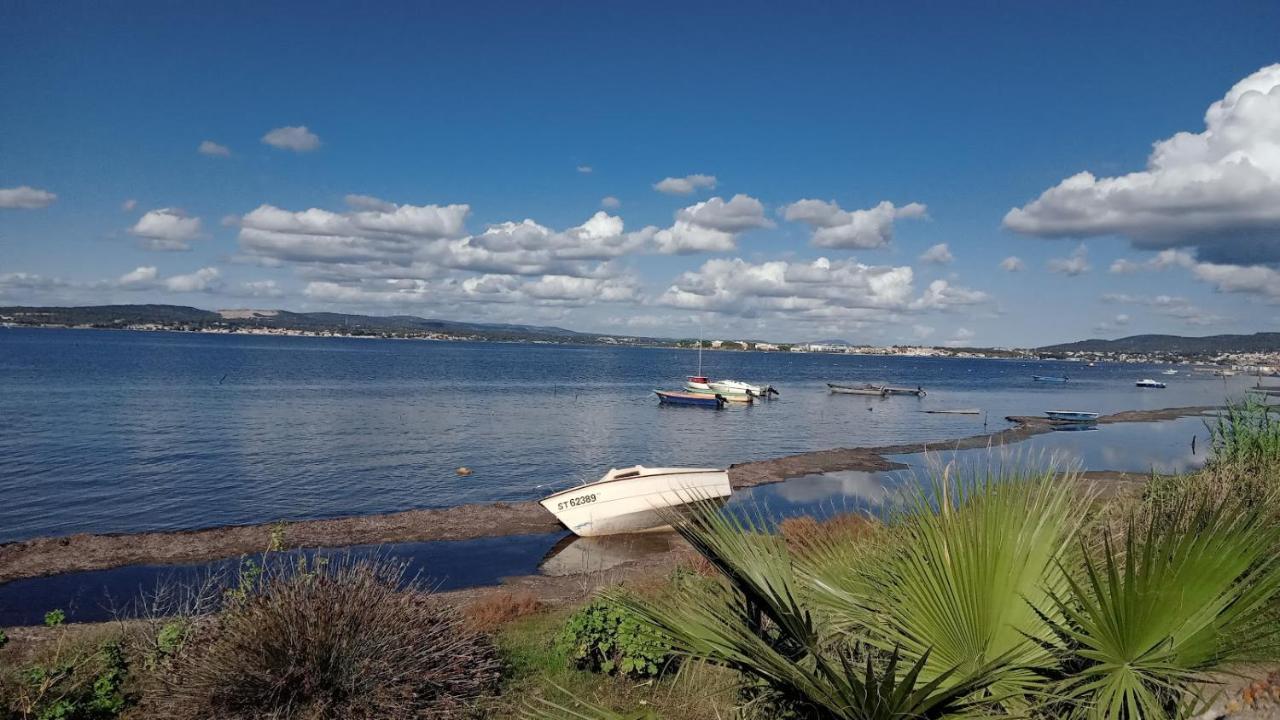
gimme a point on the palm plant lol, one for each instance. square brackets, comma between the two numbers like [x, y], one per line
[972, 567]
[1152, 616]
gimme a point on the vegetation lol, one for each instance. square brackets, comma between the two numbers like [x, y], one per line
[75, 678]
[343, 640]
[607, 637]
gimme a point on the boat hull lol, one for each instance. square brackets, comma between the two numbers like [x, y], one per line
[635, 504]
[1048, 379]
[688, 398]
[1072, 416]
[728, 395]
[851, 390]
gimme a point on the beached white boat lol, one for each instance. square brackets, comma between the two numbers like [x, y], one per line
[1071, 415]
[632, 499]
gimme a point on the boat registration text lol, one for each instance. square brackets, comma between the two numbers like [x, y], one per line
[575, 502]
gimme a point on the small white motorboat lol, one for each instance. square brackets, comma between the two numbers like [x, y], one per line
[1170, 371]
[737, 386]
[632, 499]
[1149, 383]
[1071, 415]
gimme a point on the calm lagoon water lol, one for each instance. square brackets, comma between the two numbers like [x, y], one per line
[109, 431]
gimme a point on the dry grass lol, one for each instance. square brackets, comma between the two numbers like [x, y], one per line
[348, 641]
[802, 532]
[493, 610]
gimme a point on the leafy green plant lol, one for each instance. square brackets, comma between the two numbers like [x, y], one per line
[74, 684]
[605, 636]
[54, 618]
[1153, 616]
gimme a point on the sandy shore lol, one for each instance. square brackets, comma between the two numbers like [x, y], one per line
[54, 555]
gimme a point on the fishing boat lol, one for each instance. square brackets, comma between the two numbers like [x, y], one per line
[634, 499]
[739, 396]
[917, 391]
[735, 386]
[1149, 383]
[857, 389]
[677, 397]
[1073, 416]
[1050, 378]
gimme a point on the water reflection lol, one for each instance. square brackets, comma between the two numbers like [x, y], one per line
[584, 555]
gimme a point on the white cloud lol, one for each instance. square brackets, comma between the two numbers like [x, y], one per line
[202, 280]
[544, 291]
[584, 169]
[24, 285]
[686, 185]
[1168, 305]
[1075, 264]
[128, 205]
[25, 197]
[610, 202]
[209, 147]
[939, 254]
[712, 225]
[1217, 190]
[259, 289]
[960, 338]
[369, 202]
[1013, 263]
[140, 277]
[1225, 277]
[921, 331]
[295, 138]
[834, 227]
[166, 229]
[941, 295]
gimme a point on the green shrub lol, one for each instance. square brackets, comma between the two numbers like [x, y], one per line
[606, 637]
[73, 683]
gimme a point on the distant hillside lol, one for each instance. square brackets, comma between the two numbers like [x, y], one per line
[124, 315]
[1209, 345]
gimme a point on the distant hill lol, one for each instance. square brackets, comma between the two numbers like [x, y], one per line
[124, 315]
[1208, 345]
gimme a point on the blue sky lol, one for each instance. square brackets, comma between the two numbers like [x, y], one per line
[953, 114]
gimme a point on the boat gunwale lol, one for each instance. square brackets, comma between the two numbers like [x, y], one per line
[604, 481]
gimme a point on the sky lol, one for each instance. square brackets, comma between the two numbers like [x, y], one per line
[965, 174]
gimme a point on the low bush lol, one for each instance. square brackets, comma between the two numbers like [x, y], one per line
[341, 641]
[75, 678]
[604, 636]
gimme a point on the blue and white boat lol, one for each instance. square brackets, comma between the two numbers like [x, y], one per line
[1075, 416]
[676, 397]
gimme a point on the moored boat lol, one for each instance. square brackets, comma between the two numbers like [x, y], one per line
[677, 397]
[1170, 371]
[1074, 416]
[738, 396]
[917, 391]
[634, 499]
[1050, 378]
[760, 391]
[857, 389]
[1149, 383]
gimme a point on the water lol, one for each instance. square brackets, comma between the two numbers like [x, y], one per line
[123, 592]
[108, 431]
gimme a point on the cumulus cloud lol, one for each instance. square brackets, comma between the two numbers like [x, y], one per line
[258, 289]
[1172, 306]
[712, 225]
[686, 185]
[941, 295]
[166, 229]
[140, 277]
[610, 202]
[209, 147]
[834, 227]
[960, 338]
[1217, 191]
[1075, 264]
[1013, 263]
[544, 291]
[25, 285]
[25, 197]
[1224, 277]
[939, 254]
[296, 138]
[147, 277]
[369, 202]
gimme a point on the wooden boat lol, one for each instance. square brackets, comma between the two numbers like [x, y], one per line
[736, 386]
[1050, 378]
[857, 389]
[676, 397]
[729, 395]
[633, 499]
[1073, 416]
[917, 391]
[1149, 383]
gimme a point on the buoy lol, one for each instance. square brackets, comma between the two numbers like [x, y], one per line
[463, 471]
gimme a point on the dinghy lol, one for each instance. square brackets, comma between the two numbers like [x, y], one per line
[857, 389]
[675, 397]
[1073, 416]
[633, 499]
